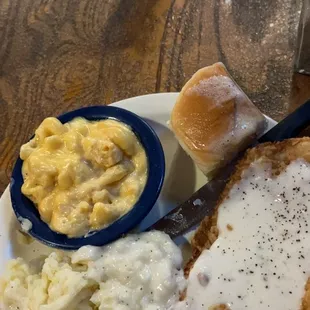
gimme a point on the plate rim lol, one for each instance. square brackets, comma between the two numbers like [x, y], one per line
[163, 99]
[139, 98]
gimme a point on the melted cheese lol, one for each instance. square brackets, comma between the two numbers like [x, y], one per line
[83, 175]
[261, 257]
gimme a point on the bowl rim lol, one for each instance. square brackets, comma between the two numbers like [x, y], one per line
[24, 208]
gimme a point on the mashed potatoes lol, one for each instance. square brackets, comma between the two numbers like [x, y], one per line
[83, 175]
[134, 273]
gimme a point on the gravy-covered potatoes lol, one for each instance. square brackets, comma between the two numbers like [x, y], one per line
[83, 175]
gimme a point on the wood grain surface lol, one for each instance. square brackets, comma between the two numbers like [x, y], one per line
[57, 55]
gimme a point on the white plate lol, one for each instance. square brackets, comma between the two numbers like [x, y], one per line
[182, 177]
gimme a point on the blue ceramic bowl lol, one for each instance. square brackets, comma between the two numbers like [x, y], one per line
[25, 209]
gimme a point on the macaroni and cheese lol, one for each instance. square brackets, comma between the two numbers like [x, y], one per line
[83, 175]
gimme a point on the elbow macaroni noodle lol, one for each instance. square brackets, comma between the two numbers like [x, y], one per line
[83, 175]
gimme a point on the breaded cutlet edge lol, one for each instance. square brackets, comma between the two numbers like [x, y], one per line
[279, 155]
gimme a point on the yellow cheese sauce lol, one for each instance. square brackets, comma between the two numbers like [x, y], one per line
[83, 175]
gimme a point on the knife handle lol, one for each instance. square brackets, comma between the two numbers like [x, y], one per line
[289, 127]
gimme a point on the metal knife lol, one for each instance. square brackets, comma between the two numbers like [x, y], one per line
[203, 201]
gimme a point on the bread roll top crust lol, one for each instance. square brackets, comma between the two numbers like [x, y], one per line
[213, 119]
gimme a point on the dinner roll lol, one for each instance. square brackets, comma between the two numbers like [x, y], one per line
[213, 119]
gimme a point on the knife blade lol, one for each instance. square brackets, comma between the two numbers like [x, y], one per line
[203, 202]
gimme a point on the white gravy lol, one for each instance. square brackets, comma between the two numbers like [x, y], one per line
[137, 272]
[261, 259]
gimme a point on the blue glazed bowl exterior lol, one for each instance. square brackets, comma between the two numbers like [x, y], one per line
[25, 209]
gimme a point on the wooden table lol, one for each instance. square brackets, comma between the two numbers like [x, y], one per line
[57, 55]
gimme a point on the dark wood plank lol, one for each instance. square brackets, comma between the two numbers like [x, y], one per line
[57, 55]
